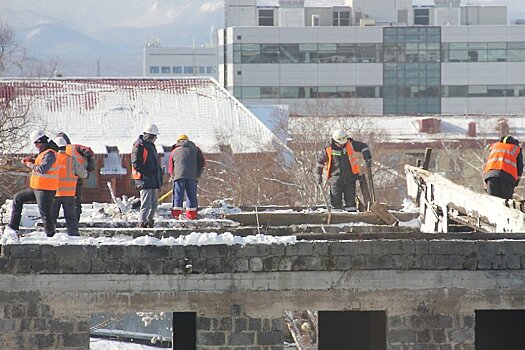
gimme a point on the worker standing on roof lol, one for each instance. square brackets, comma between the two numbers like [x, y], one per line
[69, 171]
[43, 184]
[85, 157]
[338, 164]
[147, 173]
[185, 165]
[504, 167]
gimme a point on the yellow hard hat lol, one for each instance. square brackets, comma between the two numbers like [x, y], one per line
[183, 137]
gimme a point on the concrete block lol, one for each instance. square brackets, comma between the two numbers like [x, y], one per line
[462, 335]
[156, 252]
[203, 323]
[7, 325]
[245, 338]
[111, 252]
[25, 251]
[156, 267]
[76, 339]
[402, 336]
[343, 248]
[271, 263]
[44, 341]
[300, 249]
[214, 251]
[254, 324]
[240, 324]
[177, 252]
[270, 338]
[22, 266]
[210, 338]
[241, 265]
[254, 250]
[256, 265]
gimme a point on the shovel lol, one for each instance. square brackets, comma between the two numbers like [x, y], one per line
[323, 188]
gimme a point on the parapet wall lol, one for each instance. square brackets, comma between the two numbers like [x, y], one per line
[429, 289]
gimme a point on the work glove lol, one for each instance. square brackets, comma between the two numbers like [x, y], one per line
[318, 178]
[368, 162]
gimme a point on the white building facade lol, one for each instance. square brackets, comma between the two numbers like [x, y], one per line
[385, 57]
[164, 62]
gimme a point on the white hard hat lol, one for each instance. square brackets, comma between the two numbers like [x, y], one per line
[151, 129]
[339, 136]
[60, 141]
[37, 134]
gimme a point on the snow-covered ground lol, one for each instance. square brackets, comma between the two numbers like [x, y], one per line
[122, 213]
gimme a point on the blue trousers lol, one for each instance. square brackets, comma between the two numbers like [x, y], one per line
[188, 187]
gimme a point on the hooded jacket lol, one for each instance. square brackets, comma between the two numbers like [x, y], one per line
[186, 161]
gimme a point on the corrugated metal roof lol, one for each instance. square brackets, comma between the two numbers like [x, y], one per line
[102, 112]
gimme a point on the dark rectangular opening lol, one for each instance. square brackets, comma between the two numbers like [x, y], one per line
[185, 331]
[500, 329]
[352, 330]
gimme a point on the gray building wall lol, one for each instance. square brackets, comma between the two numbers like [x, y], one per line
[430, 289]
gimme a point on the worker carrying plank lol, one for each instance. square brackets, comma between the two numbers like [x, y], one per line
[338, 164]
[503, 168]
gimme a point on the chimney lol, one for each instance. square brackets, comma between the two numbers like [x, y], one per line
[471, 132]
[429, 125]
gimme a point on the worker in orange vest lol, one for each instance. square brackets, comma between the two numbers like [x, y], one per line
[338, 164]
[43, 184]
[503, 168]
[84, 156]
[69, 170]
[147, 173]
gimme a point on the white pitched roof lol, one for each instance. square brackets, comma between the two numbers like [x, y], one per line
[104, 112]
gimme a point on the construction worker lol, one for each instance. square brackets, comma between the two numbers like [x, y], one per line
[147, 173]
[338, 164]
[185, 165]
[43, 184]
[69, 170]
[85, 157]
[504, 167]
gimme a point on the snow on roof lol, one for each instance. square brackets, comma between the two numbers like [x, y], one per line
[104, 112]
[408, 128]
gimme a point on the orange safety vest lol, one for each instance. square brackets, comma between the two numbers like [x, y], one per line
[67, 180]
[352, 158]
[71, 150]
[134, 173]
[503, 157]
[47, 181]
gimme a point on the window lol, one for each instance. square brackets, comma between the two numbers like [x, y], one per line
[210, 70]
[266, 17]
[421, 17]
[177, 69]
[188, 70]
[165, 70]
[341, 18]
[154, 70]
[202, 69]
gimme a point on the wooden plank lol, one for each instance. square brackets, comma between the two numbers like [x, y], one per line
[365, 191]
[381, 210]
[293, 218]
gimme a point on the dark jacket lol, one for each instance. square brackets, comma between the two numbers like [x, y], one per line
[340, 165]
[503, 175]
[150, 169]
[186, 161]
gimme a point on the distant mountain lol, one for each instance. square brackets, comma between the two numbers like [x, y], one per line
[110, 32]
